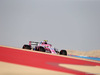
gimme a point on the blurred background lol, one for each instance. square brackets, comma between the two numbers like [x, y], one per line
[66, 24]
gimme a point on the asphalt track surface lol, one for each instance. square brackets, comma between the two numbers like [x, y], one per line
[65, 64]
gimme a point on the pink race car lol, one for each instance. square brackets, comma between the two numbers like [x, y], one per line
[43, 47]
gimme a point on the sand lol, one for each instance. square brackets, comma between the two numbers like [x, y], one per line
[93, 53]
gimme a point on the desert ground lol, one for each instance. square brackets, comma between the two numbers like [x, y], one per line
[92, 53]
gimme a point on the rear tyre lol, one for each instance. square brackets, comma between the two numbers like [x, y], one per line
[27, 47]
[63, 52]
[41, 49]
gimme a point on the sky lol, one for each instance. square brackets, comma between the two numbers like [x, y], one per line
[66, 24]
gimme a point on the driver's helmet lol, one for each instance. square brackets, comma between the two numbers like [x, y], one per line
[44, 42]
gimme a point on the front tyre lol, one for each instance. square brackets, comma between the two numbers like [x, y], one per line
[63, 52]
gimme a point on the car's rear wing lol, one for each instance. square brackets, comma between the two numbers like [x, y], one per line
[33, 43]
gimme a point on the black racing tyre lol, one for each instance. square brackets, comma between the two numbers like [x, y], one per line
[63, 52]
[41, 49]
[27, 47]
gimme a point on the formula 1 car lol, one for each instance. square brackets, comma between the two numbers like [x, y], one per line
[43, 47]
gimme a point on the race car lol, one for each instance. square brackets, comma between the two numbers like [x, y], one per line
[43, 46]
